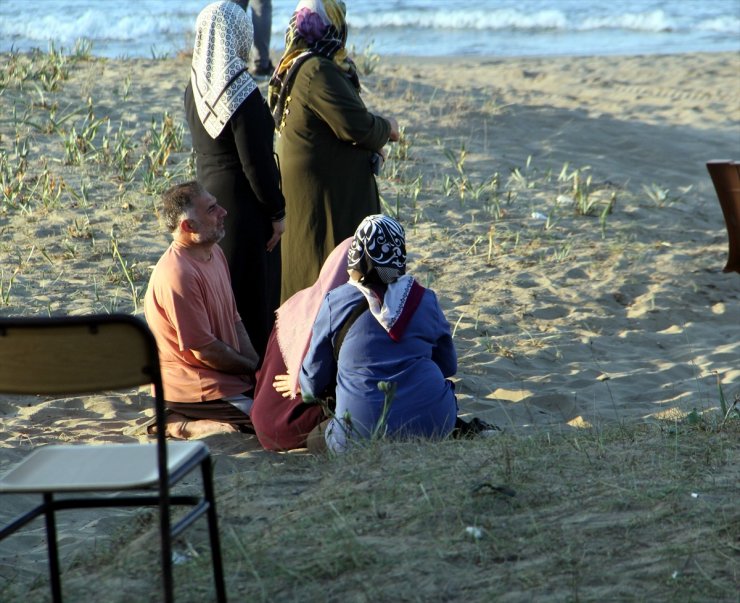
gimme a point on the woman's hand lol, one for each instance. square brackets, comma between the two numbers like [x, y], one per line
[278, 228]
[395, 135]
[282, 385]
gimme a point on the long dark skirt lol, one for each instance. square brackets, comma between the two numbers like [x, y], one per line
[280, 423]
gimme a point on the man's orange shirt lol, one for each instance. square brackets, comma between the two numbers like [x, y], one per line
[189, 304]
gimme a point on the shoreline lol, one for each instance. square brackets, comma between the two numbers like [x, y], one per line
[485, 59]
[275, 53]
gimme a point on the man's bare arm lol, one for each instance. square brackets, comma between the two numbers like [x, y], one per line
[246, 348]
[222, 357]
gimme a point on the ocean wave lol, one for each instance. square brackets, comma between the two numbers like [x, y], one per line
[468, 19]
[724, 25]
[94, 25]
[544, 20]
[651, 21]
[415, 27]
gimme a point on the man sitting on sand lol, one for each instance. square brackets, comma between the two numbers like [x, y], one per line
[206, 357]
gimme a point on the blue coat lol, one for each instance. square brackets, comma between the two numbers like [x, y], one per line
[424, 404]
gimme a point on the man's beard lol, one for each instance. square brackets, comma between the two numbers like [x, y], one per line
[214, 237]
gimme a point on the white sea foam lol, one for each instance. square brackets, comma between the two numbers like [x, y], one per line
[728, 25]
[92, 24]
[511, 19]
[414, 27]
[653, 21]
[467, 19]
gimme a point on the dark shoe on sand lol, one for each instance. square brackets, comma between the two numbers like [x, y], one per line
[474, 428]
[263, 72]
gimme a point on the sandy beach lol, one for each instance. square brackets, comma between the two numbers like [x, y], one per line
[560, 208]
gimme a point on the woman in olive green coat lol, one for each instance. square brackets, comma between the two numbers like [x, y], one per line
[328, 143]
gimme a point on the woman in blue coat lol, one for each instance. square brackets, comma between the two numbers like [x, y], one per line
[399, 341]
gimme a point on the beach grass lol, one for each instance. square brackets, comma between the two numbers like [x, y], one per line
[616, 512]
[578, 263]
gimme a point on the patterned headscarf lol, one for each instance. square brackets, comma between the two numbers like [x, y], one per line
[379, 246]
[317, 27]
[378, 253]
[223, 39]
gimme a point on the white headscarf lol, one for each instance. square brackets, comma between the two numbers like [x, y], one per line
[219, 77]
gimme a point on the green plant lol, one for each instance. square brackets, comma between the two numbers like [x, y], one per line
[380, 429]
[460, 181]
[580, 189]
[153, 182]
[53, 69]
[447, 185]
[6, 286]
[52, 124]
[495, 347]
[78, 145]
[128, 273]
[20, 150]
[80, 229]
[491, 244]
[401, 149]
[48, 189]
[47, 69]
[725, 408]
[367, 61]
[158, 55]
[122, 153]
[522, 178]
[563, 252]
[126, 88]
[473, 249]
[415, 189]
[42, 101]
[12, 177]
[387, 208]
[492, 201]
[607, 209]
[164, 137]
[81, 198]
[82, 50]
[551, 220]
[661, 196]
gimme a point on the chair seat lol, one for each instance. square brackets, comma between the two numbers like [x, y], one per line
[71, 468]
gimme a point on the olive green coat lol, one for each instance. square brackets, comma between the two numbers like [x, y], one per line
[325, 150]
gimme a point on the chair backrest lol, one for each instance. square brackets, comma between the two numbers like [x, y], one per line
[76, 354]
[83, 354]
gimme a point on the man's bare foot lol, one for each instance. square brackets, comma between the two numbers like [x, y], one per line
[182, 428]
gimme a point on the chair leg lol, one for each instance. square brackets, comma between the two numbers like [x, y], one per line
[216, 560]
[165, 537]
[51, 546]
[726, 179]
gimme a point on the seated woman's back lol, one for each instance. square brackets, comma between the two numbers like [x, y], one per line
[404, 339]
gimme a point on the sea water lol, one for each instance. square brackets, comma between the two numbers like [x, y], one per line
[157, 28]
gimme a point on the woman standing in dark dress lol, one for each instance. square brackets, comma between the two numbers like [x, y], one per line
[327, 141]
[232, 132]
